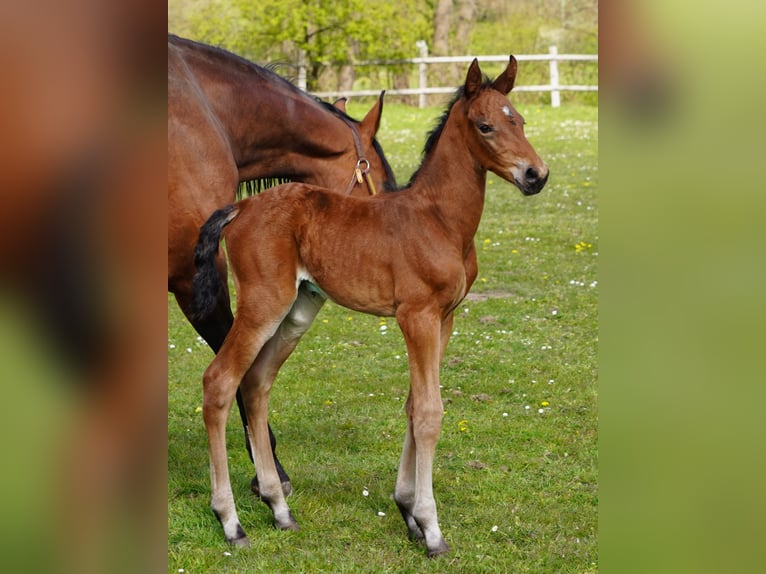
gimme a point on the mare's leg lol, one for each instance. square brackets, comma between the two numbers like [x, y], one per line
[213, 329]
[275, 353]
[422, 329]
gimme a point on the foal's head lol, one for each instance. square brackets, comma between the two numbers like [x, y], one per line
[495, 130]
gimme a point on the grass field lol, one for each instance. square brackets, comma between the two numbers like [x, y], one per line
[515, 474]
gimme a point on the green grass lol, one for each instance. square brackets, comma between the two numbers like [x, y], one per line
[516, 488]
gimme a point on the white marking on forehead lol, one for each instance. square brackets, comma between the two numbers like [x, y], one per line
[507, 111]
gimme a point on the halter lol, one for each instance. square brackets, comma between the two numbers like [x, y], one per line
[362, 169]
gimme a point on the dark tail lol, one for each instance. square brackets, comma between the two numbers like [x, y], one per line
[207, 285]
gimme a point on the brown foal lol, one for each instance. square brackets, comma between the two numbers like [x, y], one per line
[230, 121]
[408, 254]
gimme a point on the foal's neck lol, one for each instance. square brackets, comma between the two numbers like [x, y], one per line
[453, 181]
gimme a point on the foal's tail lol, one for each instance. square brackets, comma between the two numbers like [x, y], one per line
[207, 285]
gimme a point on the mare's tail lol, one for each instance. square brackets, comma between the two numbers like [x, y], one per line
[207, 285]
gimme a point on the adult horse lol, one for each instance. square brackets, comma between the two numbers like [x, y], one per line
[407, 254]
[231, 121]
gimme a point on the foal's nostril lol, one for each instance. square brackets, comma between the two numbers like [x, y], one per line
[531, 174]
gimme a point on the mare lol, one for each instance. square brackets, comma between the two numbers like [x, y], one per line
[408, 254]
[231, 121]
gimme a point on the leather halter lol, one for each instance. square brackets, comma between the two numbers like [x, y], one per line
[362, 169]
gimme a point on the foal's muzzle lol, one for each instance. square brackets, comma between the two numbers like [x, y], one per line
[534, 181]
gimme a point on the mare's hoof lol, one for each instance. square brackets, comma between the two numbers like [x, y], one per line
[441, 548]
[287, 487]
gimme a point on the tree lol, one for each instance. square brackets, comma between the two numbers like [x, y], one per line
[324, 33]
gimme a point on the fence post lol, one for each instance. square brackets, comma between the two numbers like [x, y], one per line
[302, 69]
[554, 67]
[423, 75]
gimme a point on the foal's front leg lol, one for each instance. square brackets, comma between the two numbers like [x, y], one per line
[405, 479]
[422, 331]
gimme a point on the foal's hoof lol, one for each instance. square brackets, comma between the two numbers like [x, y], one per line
[289, 524]
[287, 487]
[241, 542]
[439, 549]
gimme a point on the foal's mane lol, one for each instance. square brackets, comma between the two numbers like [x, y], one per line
[436, 132]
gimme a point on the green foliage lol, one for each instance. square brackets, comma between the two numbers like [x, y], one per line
[526, 337]
[328, 32]
[332, 33]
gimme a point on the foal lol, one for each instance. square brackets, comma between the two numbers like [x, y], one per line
[407, 254]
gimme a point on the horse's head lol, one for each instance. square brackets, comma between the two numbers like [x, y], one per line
[495, 130]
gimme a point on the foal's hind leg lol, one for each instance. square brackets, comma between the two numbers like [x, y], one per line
[275, 353]
[258, 384]
[220, 384]
[213, 329]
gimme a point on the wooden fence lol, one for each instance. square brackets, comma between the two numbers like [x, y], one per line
[552, 57]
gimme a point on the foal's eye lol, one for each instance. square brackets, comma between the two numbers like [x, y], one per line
[485, 128]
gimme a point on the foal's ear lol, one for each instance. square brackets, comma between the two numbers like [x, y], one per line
[371, 122]
[504, 82]
[473, 79]
[340, 104]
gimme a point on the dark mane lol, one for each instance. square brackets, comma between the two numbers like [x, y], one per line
[436, 132]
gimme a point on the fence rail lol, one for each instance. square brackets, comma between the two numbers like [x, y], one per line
[552, 57]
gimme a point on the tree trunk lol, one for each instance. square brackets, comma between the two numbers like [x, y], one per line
[442, 17]
[346, 78]
[346, 74]
[466, 16]
[439, 73]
